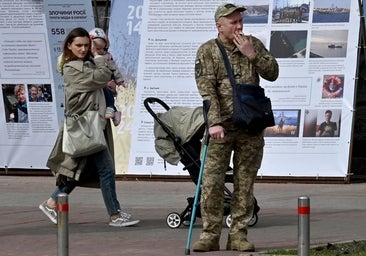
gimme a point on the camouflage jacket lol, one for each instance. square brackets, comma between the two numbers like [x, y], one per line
[213, 82]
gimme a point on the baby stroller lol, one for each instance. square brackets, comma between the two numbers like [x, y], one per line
[178, 133]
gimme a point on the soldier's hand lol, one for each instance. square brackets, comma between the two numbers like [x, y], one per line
[217, 132]
[245, 45]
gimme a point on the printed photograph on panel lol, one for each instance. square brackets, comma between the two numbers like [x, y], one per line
[333, 86]
[286, 123]
[328, 44]
[288, 44]
[331, 11]
[256, 14]
[39, 93]
[290, 11]
[322, 123]
[15, 103]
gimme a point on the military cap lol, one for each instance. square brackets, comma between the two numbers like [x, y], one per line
[227, 9]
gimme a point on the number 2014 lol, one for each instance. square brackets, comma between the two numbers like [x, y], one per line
[135, 12]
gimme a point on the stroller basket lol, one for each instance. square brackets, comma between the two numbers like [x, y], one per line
[185, 148]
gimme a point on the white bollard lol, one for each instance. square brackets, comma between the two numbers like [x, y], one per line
[303, 226]
[62, 208]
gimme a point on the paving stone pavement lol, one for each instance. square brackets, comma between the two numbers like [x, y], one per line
[337, 214]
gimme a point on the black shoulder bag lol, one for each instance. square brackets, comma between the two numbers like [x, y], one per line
[252, 109]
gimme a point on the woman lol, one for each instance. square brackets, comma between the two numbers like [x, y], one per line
[22, 114]
[84, 78]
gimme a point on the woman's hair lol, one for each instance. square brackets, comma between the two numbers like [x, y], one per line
[67, 54]
[18, 88]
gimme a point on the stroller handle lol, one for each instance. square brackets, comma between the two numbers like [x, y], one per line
[152, 100]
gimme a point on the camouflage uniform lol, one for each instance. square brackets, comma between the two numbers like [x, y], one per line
[213, 84]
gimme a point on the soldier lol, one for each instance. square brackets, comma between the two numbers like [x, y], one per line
[249, 60]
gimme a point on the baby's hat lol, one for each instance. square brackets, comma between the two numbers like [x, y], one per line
[99, 33]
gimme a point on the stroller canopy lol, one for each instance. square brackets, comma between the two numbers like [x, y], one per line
[183, 123]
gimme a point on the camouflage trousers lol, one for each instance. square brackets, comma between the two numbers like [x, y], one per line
[247, 157]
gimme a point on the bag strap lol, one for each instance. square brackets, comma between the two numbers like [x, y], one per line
[227, 62]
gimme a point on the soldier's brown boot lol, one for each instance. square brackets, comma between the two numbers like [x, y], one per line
[206, 245]
[239, 243]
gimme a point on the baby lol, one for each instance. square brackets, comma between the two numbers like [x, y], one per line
[101, 43]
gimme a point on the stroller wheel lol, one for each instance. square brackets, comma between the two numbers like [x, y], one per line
[251, 223]
[253, 220]
[173, 220]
